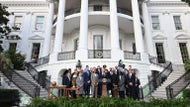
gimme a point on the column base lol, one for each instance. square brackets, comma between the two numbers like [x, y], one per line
[53, 58]
[81, 54]
[117, 54]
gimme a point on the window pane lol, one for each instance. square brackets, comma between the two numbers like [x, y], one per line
[184, 52]
[18, 22]
[12, 46]
[98, 42]
[39, 23]
[155, 23]
[160, 52]
[177, 22]
[97, 7]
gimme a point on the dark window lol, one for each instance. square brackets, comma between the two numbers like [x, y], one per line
[76, 43]
[184, 52]
[120, 43]
[160, 53]
[177, 22]
[134, 48]
[97, 7]
[12, 46]
[35, 51]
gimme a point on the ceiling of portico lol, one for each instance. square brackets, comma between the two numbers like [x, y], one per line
[71, 4]
[125, 25]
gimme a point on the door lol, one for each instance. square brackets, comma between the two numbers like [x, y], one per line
[98, 46]
[35, 51]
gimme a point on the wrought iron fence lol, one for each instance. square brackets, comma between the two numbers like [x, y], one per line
[99, 54]
[154, 60]
[41, 77]
[173, 89]
[157, 81]
[24, 84]
[66, 55]
[131, 55]
[42, 60]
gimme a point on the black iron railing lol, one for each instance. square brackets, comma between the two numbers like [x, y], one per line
[41, 77]
[66, 55]
[33, 90]
[154, 60]
[131, 55]
[42, 61]
[99, 54]
[157, 81]
[173, 89]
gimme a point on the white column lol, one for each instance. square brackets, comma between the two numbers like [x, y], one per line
[82, 52]
[59, 31]
[116, 52]
[147, 27]
[137, 27]
[48, 29]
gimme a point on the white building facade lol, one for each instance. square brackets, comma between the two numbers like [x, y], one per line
[99, 32]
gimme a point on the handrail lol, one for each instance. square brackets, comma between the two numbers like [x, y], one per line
[157, 81]
[174, 88]
[33, 90]
[132, 55]
[42, 61]
[43, 80]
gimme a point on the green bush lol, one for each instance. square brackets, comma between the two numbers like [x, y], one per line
[9, 97]
[5, 62]
[17, 59]
[186, 93]
[107, 102]
[187, 65]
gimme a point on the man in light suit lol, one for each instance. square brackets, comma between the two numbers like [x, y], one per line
[80, 83]
[94, 83]
[121, 85]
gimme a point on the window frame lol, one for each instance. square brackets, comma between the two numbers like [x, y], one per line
[177, 23]
[155, 23]
[42, 23]
[19, 23]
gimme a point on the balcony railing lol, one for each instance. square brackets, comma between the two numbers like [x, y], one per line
[124, 11]
[42, 61]
[131, 55]
[104, 8]
[66, 55]
[99, 54]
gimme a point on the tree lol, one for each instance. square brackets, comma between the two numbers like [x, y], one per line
[187, 1]
[4, 28]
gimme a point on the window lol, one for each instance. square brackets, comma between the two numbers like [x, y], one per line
[98, 46]
[39, 23]
[177, 22]
[160, 53]
[184, 52]
[97, 7]
[155, 23]
[76, 42]
[35, 51]
[134, 48]
[120, 43]
[18, 22]
[12, 46]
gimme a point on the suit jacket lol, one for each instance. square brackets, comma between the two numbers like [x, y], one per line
[129, 80]
[86, 76]
[80, 83]
[94, 79]
[121, 82]
[114, 79]
[67, 82]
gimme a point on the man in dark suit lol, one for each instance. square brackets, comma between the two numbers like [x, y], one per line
[137, 83]
[130, 83]
[114, 81]
[67, 79]
[87, 81]
[99, 72]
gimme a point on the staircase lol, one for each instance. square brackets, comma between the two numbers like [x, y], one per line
[43, 91]
[160, 92]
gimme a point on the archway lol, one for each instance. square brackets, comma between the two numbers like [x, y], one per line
[60, 76]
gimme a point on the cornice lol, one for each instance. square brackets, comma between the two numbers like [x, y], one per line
[166, 3]
[24, 3]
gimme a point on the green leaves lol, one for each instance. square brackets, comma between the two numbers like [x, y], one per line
[108, 102]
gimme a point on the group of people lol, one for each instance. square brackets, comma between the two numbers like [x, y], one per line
[99, 81]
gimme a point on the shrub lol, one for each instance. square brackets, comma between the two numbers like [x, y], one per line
[187, 65]
[9, 97]
[5, 62]
[16, 58]
[186, 93]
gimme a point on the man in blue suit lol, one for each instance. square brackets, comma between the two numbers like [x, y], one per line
[87, 81]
